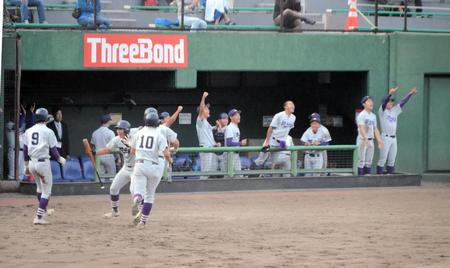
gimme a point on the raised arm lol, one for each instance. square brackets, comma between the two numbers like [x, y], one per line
[407, 97]
[173, 117]
[201, 113]
[387, 98]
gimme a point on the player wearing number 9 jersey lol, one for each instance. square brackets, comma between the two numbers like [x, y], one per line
[149, 146]
[39, 141]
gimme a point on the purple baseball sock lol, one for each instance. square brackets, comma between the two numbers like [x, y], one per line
[38, 195]
[146, 212]
[360, 171]
[367, 170]
[42, 207]
[379, 170]
[390, 170]
[115, 202]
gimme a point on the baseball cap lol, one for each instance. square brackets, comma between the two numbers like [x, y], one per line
[105, 118]
[316, 115]
[365, 98]
[198, 107]
[233, 112]
[223, 116]
[163, 115]
[314, 119]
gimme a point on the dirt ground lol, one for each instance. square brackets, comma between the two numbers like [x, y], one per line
[365, 227]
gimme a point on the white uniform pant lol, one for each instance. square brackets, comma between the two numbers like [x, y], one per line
[222, 159]
[42, 173]
[236, 165]
[107, 165]
[208, 162]
[313, 161]
[281, 160]
[389, 151]
[147, 176]
[11, 162]
[120, 180]
[365, 153]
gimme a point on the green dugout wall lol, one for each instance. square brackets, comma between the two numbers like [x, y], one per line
[404, 59]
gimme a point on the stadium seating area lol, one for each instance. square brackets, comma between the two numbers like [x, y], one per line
[256, 14]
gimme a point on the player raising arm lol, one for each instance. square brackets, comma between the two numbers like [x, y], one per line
[38, 142]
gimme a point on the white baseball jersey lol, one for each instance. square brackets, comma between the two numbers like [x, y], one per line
[204, 133]
[168, 133]
[39, 139]
[116, 145]
[388, 119]
[281, 124]
[102, 136]
[322, 135]
[232, 131]
[149, 144]
[369, 121]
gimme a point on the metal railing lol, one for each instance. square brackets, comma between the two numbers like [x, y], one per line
[341, 159]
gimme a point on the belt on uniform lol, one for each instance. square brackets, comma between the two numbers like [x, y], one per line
[369, 139]
[143, 161]
[392, 136]
[40, 160]
[314, 155]
[129, 166]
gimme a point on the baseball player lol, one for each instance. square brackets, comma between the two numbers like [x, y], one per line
[367, 131]
[324, 153]
[120, 143]
[315, 136]
[100, 138]
[388, 113]
[219, 138]
[233, 136]
[278, 132]
[149, 146]
[208, 161]
[38, 142]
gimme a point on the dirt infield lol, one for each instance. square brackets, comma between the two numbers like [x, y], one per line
[376, 227]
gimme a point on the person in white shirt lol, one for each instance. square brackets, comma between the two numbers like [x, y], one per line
[315, 136]
[367, 131]
[233, 137]
[100, 138]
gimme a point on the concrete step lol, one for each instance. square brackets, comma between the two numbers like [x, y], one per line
[120, 22]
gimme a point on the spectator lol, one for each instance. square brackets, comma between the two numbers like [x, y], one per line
[292, 20]
[190, 21]
[233, 137]
[100, 139]
[315, 135]
[61, 132]
[24, 4]
[86, 18]
[219, 137]
[208, 161]
[216, 11]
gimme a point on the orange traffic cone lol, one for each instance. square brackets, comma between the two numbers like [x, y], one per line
[352, 18]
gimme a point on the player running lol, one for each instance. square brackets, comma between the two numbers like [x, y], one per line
[120, 143]
[149, 147]
[38, 142]
[388, 113]
[367, 131]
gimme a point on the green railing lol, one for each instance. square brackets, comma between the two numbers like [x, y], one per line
[294, 171]
[174, 8]
[397, 13]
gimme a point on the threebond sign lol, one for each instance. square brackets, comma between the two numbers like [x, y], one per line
[135, 50]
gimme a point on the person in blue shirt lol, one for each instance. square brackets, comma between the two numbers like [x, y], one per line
[24, 4]
[87, 14]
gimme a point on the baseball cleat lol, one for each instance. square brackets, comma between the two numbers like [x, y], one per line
[49, 212]
[141, 225]
[135, 207]
[137, 218]
[111, 214]
[40, 221]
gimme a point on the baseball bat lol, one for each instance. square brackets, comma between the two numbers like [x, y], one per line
[88, 151]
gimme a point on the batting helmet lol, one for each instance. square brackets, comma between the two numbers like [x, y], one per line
[125, 125]
[150, 110]
[41, 115]
[151, 120]
[164, 115]
[105, 118]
